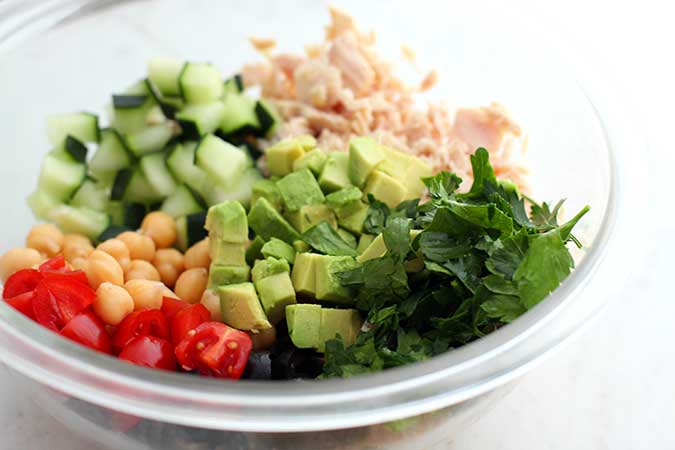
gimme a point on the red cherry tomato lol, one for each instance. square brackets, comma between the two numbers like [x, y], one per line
[215, 350]
[149, 351]
[56, 264]
[59, 298]
[20, 282]
[150, 322]
[171, 306]
[23, 303]
[87, 329]
[75, 275]
[188, 319]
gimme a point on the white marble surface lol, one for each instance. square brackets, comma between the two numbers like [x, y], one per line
[610, 388]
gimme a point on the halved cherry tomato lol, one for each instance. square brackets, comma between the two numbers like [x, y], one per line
[59, 298]
[75, 275]
[149, 351]
[188, 319]
[23, 303]
[56, 264]
[215, 350]
[150, 322]
[87, 329]
[20, 282]
[171, 306]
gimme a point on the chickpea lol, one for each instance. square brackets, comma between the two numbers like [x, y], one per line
[211, 301]
[45, 238]
[169, 262]
[16, 259]
[76, 246]
[102, 267]
[263, 339]
[141, 270]
[113, 303]
[198, 255]
[140, 246]
[147, 294]
[78, 263]
[161, 228]
[118, 250]
[191, 284]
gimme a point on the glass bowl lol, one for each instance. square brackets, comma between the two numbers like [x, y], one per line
[69, 55]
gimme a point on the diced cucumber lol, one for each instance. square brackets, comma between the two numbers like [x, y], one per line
[234, 84]
[164, 73]
[111, 156]
[197, 120]
[83, 126]
[220, 160]
[239, 115]
[42, 204]
[268, 117]
[200, 83]
[129, 120]
[92, 195]
[182, 202]
[120, 183]
[181, 163]
[150, 139]
[112, 232]
[168, 105]
[157, 173]
[139, 189]
[61, 175]
[128, 215]
[190, 230]
[76, 149]
[128, 101]
[71, 219]
[241, 191]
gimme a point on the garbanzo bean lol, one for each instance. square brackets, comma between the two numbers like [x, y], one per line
[160, 227]
[140, 246]
[78, 263]
[113, 303]
[45, 238]
[147, 294]
[263, 339]
[76, 246]
[118, 250]
[141, 270]
[198, 255]
[102, 267]
[169, 262]
[211, 301]
[191, 284]
[16, 259]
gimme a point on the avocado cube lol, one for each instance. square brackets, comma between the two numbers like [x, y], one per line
[406, 168]
[268, 223]
[227, 221]
[222, 275]
[304, 274]
[310, 215]
[344, 198]
[276, 248]
[335, 173]
[304, 324]
[264, 268]
[352, 218]
[376, 249]
[275, 293]
[313, 160]
[344, 322]
[227, 253]
[268, 189]
[364, 242]
[301, 246]
[299, 189]
[347, 237]
[253, 251]
[328, 286]
[385, 188]
[241, 308]
[282, 155]
[364, 156]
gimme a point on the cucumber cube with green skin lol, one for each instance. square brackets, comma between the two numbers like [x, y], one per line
[222, 275]
[253, 250]
[328, 286]
[61, 175]
[304, 274]
[164, 73]
[311, 215]
[227, 221]
[221, 160]
[241, 308]
[385, 188]
[264, 268]
[227, 253]
[364, 242]
[268, 223]
[239, 114]
[344, 322]
[304, 324]
[276, 292]
[313, 160]
[200, 83]
[335, 173]
[364, 156]
[282, 155]
[201, 119]
[276, 248]
[267, 189]
[300, 189]
[43, 204]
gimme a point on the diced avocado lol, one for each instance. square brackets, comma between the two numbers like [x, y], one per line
[335, 173]
[328, 286]
[364, 242]
[222, 275]
[268, 223]
[310, 215]
[347, 237]
[304, 324]
[406, 168]
[276, 248]
[345, 322]
[267, 189]
[264, 268]
[352, 218]
[385, 188]
[364, 155]
[313, 160]
[275, 293]
[301, 246]
[376, 249]
[227, 253]
[253, 250]
[241, 308]
[299, 189]
[344, 198]
[282, 155]
[304, 274]
[227, 221]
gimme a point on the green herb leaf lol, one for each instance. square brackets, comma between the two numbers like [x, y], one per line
[324, 238]
[506, 308]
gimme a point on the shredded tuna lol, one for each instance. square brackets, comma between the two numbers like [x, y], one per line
[342, 88]
[262, 44]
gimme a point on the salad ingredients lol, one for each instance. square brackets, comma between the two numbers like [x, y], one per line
[87, 329]
[16, 259]
[149, 351]
[150, 322]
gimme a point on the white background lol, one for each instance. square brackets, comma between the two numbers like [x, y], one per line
[614, 386]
